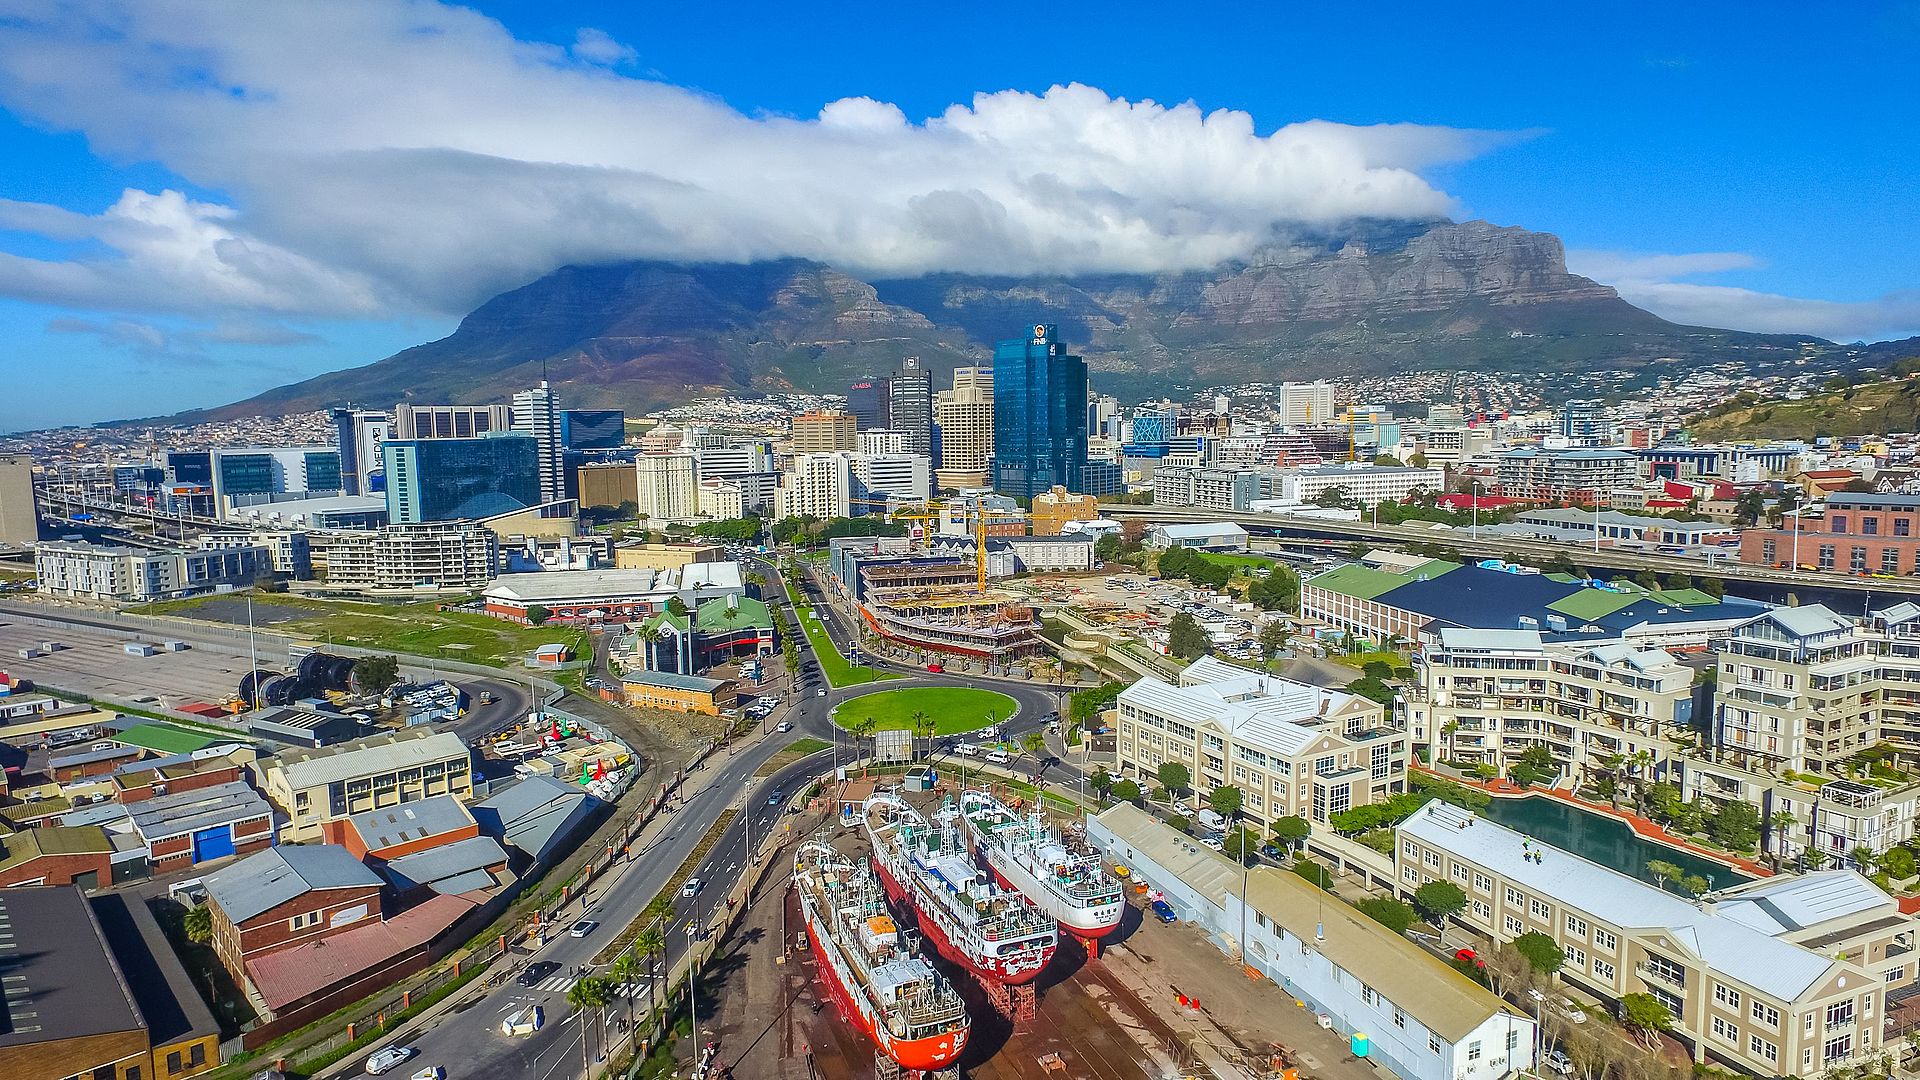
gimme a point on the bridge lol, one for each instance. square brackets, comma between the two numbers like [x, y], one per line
[1843, 592]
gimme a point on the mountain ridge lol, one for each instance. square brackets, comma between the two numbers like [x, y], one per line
[1370, 299]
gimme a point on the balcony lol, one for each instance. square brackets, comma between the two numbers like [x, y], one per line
[1663, 974]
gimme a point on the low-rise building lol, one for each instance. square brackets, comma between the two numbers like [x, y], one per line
[287, 896]
[536, 817]
[1222, 491]
[55, 855]
[644, 556]
[714, 632]
[317, 785]
[1291, 748]
[1421, 1019]
[1739, 989]
[599, 596]
[678, 693]
[1362, 482]
[196, 825]
[1206, 536]
[1053, 508]
[1565, 476]
[82, 571]
[407, 829]
[1860, 533]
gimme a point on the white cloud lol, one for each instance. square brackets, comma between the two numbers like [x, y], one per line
[1649, 280]
[415, 156]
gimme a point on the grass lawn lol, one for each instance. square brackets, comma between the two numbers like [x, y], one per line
[1238, 562]
[835, 666]
[418, 629]
[1360, 660]
[954, 709]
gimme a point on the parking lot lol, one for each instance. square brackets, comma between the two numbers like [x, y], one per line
[93, 663]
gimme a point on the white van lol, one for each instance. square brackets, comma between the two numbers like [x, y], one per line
[999, 757]
[967, 749]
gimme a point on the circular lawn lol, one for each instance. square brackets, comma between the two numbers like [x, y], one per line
[954, 709]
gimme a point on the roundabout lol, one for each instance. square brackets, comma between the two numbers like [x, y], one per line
[953, 709]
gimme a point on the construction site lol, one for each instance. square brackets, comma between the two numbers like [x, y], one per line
[939, 608]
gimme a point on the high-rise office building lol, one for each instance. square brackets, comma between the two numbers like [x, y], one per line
[359, 433]
[882, 441]
[536, 412]
[910, 406]
[668, 487]
[449, 421]
[593, 429]
[870, 402]
[1301, 403]
[964, 416]
[824, 432]
[452, 479]
[19, 520]
[1039, 415]
[273, 470]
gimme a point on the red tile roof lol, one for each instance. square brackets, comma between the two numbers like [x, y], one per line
[293, 975]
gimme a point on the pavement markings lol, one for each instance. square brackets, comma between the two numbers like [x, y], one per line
[559, 984]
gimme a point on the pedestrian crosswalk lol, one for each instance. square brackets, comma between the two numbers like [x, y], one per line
[559, 984]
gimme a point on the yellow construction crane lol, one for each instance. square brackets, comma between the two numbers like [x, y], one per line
[931, 512]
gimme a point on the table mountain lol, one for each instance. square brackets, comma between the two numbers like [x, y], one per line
[1373, 298]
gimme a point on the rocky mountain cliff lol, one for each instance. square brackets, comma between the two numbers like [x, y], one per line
[1374, 298]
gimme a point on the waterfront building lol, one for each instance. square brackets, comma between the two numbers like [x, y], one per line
[1039, 415]
[536, 413]
[82, 571]
[614, 595]
[1222, 536]
[449, 479]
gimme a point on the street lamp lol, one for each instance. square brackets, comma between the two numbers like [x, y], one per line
[693, 1005]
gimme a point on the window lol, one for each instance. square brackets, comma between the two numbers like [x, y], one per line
[1575, 956]
[1837, 1049]
[1762, 1049]
[196, 1055]
[1514, 927]
[1837, 523]
[1840, 1013]
[1576, 926]
[1481, 909]
[1894, 975]
[1602, 970]
[1433, 1043]
[1727, 995]
[1869, 526]
[1459, 873]
[1769, 552]
[1604, 939]
[173, 1062]
[1857, 559]
[1366, 994]
[1433, 859]
[1826, 557]
[1726, 1031]
[1541, 910]
[1408, 849]
[1410, 873]
[1766, 1014]
[1666, 970]
[1516, 898]
[1889, 560]
[1399, 1018]
[1482, 882]
[1473, 1050]
[1902, 526]
[302, 921]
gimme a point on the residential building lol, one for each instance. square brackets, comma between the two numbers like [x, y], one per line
[818, 485]
[1567, 476]
[1740, 991]
[721, 500]
[536, 413]
[452, 479]
[964, 416]
[667, 490]
[598, 596]
[593, 429]
[1861, 533]
[824, 432]
[1053, 508]
[734, 459]
[1588, 423]
[359, 434]
[674, 692]
[1362, 482]
[314, 786]
[910, 406]
[449, 421]
[1039, 415]
[609, 483]
[1223, 491]
[870, 401]
[443, 555]
[1291, 748]
[286, 896]
[94, 994]
[1486, 696]
[83, 571]
[1201, 536]
[19, 515]
[1421, 1019]
[1303, 404]
[291, 550]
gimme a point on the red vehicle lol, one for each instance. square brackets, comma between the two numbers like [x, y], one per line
[937, 669]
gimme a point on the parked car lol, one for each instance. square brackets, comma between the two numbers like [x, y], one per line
[391, 1058]
[1164, 912]
[583, 928]
[692, 887]
[937, 669]
[1558, 1061]
[536, 972]
[1211, 842]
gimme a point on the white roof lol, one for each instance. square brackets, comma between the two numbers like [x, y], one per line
[1807, 620]
[1266, 711]
[711, 579]
[1460, 637]
[1201, 530]
[1728, 945]
[1785, 905]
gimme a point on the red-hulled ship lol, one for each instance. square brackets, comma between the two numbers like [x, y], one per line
[876, 981]
[1027, 854]
[996, 933]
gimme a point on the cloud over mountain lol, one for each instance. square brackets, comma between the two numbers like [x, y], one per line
[372, 157]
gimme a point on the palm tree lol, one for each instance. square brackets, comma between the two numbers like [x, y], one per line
[589, 993]
[1781, 821]
[650, 636]
[627, 970]
[922, 725]
[1863, 858]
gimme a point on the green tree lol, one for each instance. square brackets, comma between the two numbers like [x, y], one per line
[1273, 638]
[1033, 742]
[1185, 639]
[1396, 915]
[1372, 689]
[1385, 459]
[1108, 547]
[1737, 826]
[1313, 872]
[1535, 765]
[537, 614]
[375, 674]
[922, 725]
[589, 994]
[1173, 776]
[676, 607]
[1292, 830]
[1543, 954]
[1335, 498]
[651, 943]
[1225, 800]
[1664, 871]
[1277, 590]
[1646, 1016]
[1180, 822]
[1898, 862]
[627, 971]
[1242, 844]
[1086, 705]
[1439, 901]
[1126, 790]
[1102, 781]
[1377, 669]
[197, 924]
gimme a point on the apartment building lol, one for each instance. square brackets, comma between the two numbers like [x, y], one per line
[1291, 748]
[318, 785]
[668, 488]
[103, 572]
[1053, 508]
[1861, 533]
[1577, 476]
[1744, 985]
[820, 485]
[1486, 696]
[1223, 491]
[454, 555]
[1363, 482]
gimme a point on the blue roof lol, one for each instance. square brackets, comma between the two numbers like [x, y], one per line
[1473, 597]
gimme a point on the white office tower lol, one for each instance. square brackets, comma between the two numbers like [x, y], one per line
[817, 485]
[965, 417]
[537, 412]
[1305, 402]
[667, 487]
[894, 477]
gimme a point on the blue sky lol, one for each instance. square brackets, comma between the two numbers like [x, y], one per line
[267, 201]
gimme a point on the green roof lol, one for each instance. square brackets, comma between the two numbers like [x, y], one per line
[1357, 581]
[29, 844]
[1592, 603]
[712, 617]
[165, 738]
[1685, 597]
[1565, 578]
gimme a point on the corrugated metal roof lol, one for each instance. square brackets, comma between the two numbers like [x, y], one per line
[1798, 902]
[267, 879]
[534, 813]
[434, 866]
[292, 975]
[393, 825]
[1206, 872]
[1265, 711]
[180, 812]
[312, 767]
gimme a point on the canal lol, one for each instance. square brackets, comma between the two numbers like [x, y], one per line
[1608, 841]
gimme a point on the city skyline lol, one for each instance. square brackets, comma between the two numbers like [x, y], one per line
[193, 248]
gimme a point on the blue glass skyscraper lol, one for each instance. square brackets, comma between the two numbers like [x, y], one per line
[451, 479]
[1039, 415]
